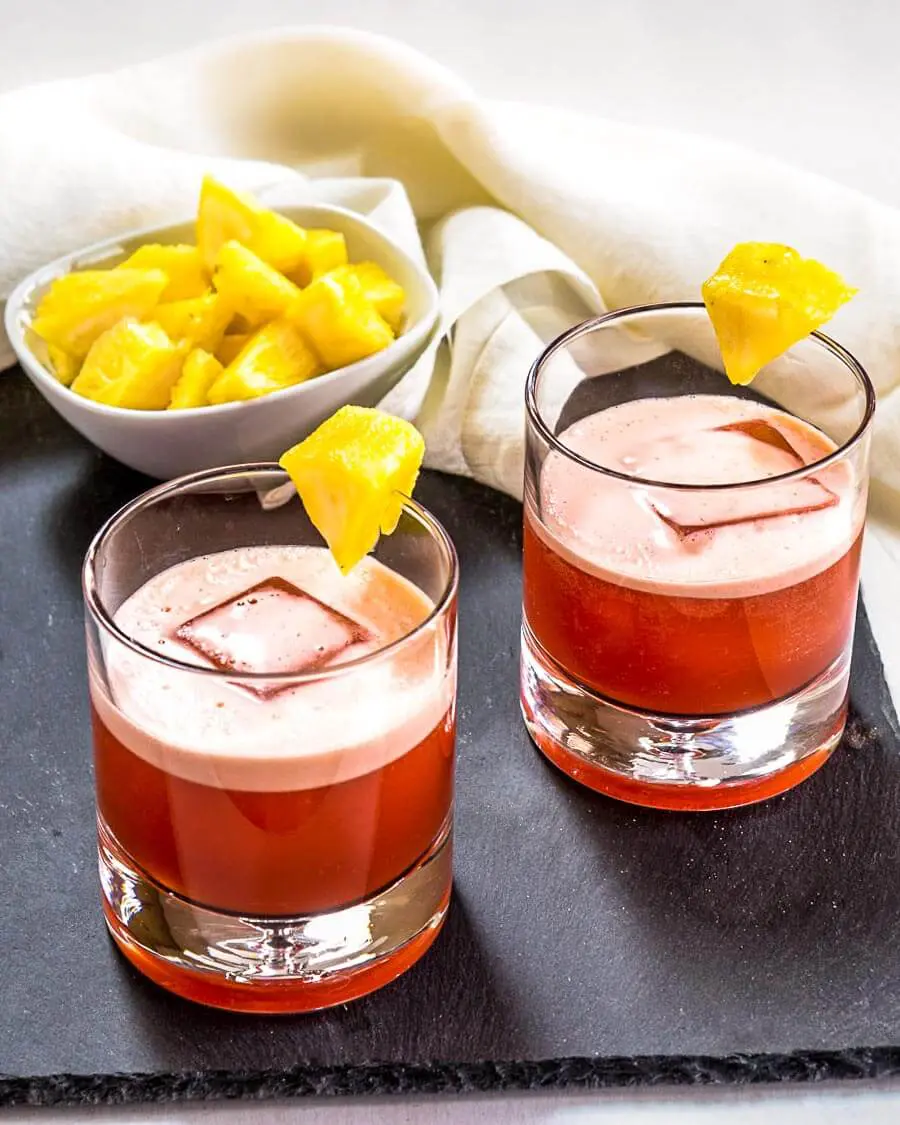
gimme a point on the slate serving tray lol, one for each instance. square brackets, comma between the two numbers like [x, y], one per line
[589, 943]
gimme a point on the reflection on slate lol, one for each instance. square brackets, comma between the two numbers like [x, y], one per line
[588, 943]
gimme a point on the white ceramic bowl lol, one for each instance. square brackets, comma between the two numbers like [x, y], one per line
[170, 443]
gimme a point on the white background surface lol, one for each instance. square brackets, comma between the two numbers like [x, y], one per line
[816, 82]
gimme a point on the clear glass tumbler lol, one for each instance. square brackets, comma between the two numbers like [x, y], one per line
[273, 743]
[691, 559]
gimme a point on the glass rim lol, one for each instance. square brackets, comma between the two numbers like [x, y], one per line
[99, 613]
[585, 328]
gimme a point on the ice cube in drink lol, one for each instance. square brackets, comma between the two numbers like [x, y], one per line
[273, 627]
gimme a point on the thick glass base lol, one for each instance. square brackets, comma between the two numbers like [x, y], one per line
[274, 965]
[672, 762]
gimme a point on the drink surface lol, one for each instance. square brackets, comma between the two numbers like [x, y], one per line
[693, 603]
[247, 609]
[711, 544]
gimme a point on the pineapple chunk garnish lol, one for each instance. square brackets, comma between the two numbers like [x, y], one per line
[181, 264]
[230, 216]
[763, 299]
[131, 365]
[325, 250]
[384, 293]
[342, 325]
[277, 356]
[65, 366]
[252, 288]
[81, 306]
[352, 475]
[200, 321]
[199, 373]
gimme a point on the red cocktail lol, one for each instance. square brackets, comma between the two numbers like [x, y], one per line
[689, 559]
[273, 747]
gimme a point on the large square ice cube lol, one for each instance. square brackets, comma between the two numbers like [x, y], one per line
[273, 627]
[692, 513]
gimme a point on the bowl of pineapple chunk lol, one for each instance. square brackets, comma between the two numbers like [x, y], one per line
[225, 340]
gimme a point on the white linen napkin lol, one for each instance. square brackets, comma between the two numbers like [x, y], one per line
[530, 218]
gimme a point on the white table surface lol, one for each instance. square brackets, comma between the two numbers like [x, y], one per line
[816, 82]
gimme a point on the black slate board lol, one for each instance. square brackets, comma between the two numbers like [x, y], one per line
[589, 943]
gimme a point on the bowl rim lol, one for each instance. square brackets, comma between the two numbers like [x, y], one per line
[418, 338]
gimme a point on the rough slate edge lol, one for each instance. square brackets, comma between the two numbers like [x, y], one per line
[428, 1078]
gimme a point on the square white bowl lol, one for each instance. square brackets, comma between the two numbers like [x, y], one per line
[171, 443]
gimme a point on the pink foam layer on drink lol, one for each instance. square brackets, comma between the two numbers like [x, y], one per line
[732, 543]
[211, 729]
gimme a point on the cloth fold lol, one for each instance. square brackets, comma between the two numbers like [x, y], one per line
[530, 218]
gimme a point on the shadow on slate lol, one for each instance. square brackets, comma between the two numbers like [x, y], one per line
[589, 943]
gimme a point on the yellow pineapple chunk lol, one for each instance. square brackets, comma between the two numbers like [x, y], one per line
[352, 474]
[325, 250]
[230, 216]
[252, 289]
[81, 306]
[131, 365]
[763, 299]
[384, 293]
[278, 241]
[65, 366]
[222, 216]
[181, 264]
[199, 373]
[277, 356]
[340, 323]
[200, 321]
[232, 343]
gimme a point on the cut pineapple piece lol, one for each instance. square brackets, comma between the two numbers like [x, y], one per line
[325, 250]
[201, 321]
[253, 289]
[340, 323]
[222, 216]
[232, 343]
[352, 474]
[81, 306]
[131, 365]
[65, 366]
[384, 293]
[278, 241]
[199, 373]
[763, 299]
[181, 264]
[276, 357]
[225, 216]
